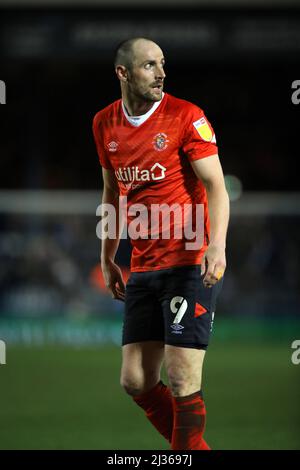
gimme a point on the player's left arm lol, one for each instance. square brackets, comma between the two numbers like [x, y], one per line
[209, 171]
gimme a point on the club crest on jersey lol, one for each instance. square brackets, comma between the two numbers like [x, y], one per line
[160, 141]
[112, 146]
[203, 129]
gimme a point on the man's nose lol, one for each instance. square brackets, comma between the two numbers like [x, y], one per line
[160, 73]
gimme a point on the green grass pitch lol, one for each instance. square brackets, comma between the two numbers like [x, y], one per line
[68, 398]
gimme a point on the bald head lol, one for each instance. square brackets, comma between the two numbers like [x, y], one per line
[128, 51]
[139, 65]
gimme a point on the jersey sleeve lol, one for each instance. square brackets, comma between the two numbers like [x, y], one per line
[198, 139]
[104, 161]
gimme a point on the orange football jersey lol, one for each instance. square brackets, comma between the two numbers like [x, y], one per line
[152, 165]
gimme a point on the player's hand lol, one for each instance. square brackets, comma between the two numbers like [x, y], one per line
[213, 265]
[113, 280]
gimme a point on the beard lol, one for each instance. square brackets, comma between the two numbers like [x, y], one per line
[152, 96]
[148, 94]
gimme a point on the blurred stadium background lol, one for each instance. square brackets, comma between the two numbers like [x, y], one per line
[60, 386]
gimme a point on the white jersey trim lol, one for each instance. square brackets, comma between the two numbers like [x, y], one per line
[138, 120]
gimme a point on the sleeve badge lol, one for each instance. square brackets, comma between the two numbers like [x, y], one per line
[203, 129]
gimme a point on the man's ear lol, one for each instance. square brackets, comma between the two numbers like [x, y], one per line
[122, 73]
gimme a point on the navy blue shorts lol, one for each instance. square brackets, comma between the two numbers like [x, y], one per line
[171, 305]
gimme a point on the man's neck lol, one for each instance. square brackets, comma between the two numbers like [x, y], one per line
[136, 108]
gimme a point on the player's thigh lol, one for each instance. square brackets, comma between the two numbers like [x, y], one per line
[184, 369]
[143, 318]
[141, 366]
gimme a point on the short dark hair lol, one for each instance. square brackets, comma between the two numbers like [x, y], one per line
[124, 52]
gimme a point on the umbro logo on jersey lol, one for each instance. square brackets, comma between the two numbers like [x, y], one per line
[112, 146]
[133, 173]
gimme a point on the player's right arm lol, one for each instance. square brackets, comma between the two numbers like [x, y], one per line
[111, 272]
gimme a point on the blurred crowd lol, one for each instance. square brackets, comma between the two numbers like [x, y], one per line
[49, 266]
